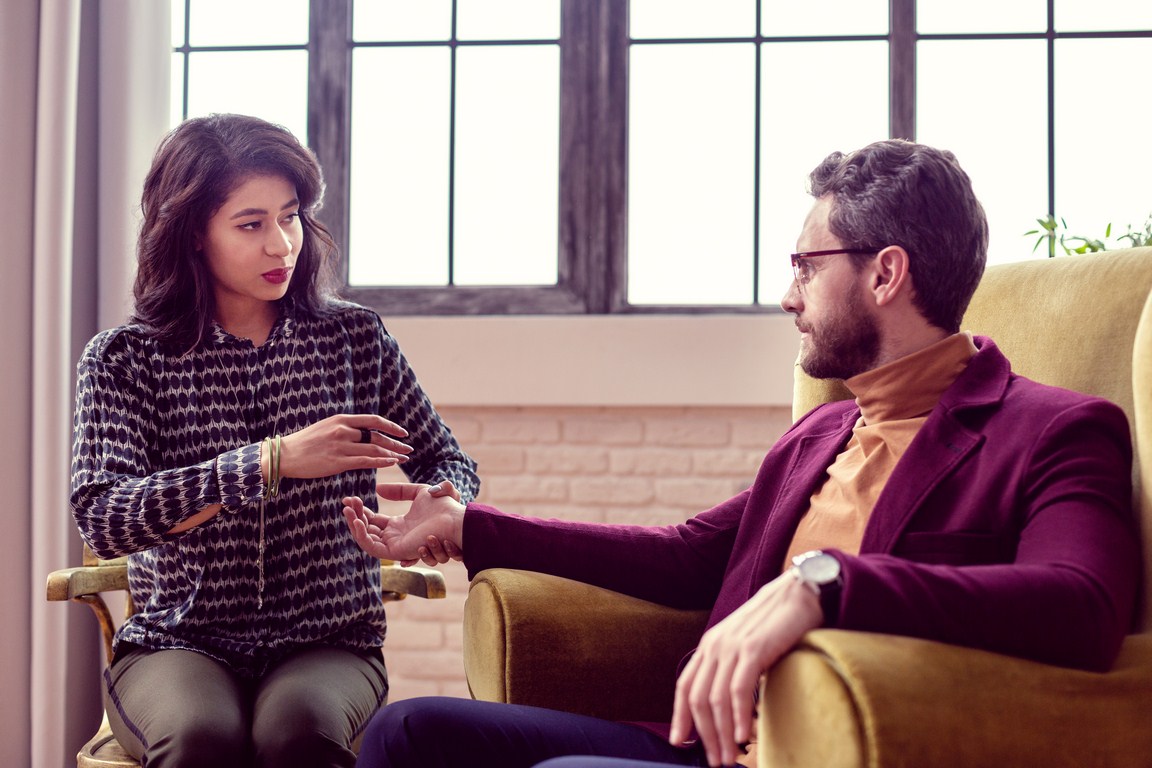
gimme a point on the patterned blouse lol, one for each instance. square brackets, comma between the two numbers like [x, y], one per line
[159, 436]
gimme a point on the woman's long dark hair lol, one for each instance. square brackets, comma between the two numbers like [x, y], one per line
[196, 167]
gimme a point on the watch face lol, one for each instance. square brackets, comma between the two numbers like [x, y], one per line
[820, 569]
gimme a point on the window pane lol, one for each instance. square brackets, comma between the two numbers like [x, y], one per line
[1102, 16]
[692, 18]
[507, 160]
[402, 20]
[177, 24]
[251, 22]
[800, 126]
[690, 174]
[398, 202]
[508, 19]
[985, 100]
[976, 16]
[1102, 118]
[267, 84]
[827, 17]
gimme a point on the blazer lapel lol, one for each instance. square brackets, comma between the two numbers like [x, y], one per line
[942, 444]
[806, 470]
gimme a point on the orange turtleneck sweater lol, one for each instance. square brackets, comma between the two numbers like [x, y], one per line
[894, 400]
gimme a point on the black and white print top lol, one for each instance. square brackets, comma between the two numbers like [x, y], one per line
[160, 435]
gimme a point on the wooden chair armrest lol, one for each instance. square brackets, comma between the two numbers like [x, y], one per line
[856, 699]
[530, 638]
[71, 583]
[84, 585]
[414, 580]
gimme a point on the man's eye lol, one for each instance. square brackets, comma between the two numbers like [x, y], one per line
[805, 271]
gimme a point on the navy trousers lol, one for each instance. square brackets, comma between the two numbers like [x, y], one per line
[443, 732]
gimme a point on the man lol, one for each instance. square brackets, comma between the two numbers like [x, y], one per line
[952, 500]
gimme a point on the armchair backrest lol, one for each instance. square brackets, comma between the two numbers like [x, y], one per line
[1079, 322]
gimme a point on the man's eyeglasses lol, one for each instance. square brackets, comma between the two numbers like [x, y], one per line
[803, 271]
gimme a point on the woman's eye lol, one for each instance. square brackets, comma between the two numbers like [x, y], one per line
[250, 225]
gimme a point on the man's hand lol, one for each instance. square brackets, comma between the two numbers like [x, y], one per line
[436, 515]
[716, 690]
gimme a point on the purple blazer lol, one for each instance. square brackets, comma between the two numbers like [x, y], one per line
[1006, 526]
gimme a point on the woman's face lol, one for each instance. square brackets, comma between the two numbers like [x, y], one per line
[252, 242]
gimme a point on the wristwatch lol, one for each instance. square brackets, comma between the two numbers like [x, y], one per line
[820, 572]
[817, 570]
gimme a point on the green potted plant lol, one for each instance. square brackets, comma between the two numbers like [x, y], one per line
[1054, 232]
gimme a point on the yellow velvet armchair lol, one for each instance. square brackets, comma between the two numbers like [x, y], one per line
[846, 699]
[87, 583]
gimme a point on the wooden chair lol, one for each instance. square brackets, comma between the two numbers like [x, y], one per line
[865, 700]
[86, 584]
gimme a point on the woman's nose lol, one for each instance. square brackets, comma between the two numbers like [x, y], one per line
[278, 243]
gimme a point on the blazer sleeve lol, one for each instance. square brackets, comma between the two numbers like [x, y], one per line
[681, 566]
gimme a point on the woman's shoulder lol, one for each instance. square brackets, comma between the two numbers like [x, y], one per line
[126, 352]
[350, 317]
[119, 344]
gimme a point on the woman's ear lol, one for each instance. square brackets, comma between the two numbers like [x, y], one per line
[891, 276]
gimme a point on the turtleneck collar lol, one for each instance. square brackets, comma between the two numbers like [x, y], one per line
[912, 385]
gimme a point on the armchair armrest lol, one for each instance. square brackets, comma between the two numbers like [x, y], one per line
[531, 638]
[853, 699]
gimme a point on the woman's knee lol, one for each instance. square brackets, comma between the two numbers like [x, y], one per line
[308, 734]
[305, 748]
[201, 743]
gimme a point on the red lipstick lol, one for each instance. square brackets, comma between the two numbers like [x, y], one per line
[277, 276]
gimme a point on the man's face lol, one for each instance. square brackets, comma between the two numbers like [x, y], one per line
[839, 336]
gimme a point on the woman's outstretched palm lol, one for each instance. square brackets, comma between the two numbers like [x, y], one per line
[435, 515]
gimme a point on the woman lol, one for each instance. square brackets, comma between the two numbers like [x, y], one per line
[215, 435]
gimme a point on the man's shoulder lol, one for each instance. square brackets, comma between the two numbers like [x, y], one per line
[831, 417]
[1024, 394]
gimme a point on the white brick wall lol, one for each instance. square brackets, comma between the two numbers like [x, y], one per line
[648, 466]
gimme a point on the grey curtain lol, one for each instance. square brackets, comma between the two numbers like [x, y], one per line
[81, 109]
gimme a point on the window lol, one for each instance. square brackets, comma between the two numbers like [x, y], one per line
[607, 156]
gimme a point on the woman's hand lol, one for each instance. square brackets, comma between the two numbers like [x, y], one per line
[341, 443]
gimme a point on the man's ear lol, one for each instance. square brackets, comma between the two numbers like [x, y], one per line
[890, 276]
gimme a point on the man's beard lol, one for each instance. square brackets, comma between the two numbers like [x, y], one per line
[847, 343]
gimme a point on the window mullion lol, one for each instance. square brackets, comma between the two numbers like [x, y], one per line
[902, 69]
[329, 108]
[591, 147]
[612, 95]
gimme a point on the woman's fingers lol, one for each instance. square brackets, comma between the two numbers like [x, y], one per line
[399, 491]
